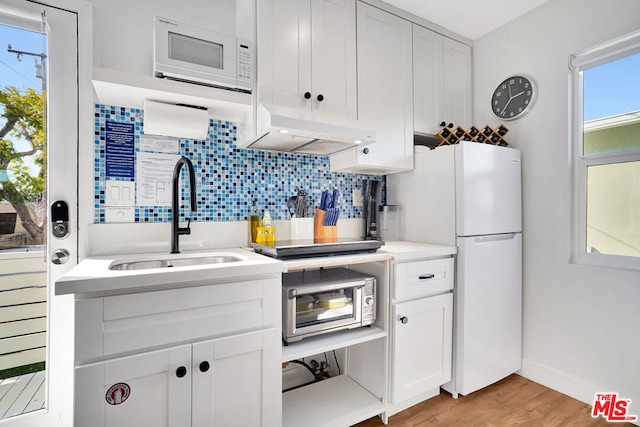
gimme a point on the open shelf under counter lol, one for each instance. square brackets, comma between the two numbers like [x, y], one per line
[337, 401]
[332, 341]
[125, 89]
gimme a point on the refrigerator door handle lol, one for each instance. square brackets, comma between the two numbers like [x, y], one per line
[426, 276]
[495, 237]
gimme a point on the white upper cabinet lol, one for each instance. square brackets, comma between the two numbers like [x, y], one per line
[441, 80]
[307, 58]
[385, 94]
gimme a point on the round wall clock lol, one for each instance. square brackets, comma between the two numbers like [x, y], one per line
[514, 97]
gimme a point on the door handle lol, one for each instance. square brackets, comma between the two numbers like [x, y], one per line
[496, 237]
[426, 276]
[60, 256]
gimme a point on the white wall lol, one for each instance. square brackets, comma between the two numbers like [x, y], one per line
[581, 324]
[123, 29]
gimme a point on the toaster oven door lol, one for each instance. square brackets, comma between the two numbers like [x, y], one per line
[313, 310]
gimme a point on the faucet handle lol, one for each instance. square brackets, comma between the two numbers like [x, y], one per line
[185, 230]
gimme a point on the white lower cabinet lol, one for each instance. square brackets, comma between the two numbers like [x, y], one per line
[189, 356]
[219, 382]
[421, 331]
[421, 346]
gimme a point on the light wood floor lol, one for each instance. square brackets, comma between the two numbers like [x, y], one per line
[512, 401]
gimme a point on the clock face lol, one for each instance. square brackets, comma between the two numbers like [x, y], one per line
[513, 98]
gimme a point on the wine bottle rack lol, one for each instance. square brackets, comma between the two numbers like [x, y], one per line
[486, 135]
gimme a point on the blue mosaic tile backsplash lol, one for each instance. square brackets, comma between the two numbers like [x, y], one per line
[228, 178]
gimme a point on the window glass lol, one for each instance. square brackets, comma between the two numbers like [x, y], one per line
[611, 106]
[613, 209]
[607, 153]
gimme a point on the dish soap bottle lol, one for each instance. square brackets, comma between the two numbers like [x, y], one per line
[255, 220]
[269, 230]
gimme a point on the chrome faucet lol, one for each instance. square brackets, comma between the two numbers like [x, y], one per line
[176, 230]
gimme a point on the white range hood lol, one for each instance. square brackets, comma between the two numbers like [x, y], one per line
[282, 133]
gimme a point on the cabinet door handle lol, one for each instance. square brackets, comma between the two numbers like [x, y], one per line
[307, 95]
[426, 276]
[320, 98]
[181, 371]
[204, 366]
[404, 320]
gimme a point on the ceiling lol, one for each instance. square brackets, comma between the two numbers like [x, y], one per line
[469, 18]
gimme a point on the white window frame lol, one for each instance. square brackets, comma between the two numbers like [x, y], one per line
[607, 52]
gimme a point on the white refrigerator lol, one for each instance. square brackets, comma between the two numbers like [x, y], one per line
[469, 195]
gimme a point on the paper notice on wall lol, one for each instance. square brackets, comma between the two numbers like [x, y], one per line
[119, 149]
[154, 172]
[159, 144]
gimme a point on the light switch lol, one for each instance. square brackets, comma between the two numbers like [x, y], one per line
[119, 193]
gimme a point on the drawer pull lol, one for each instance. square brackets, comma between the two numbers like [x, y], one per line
[426, 276]
[404, 320]
[204, 366]
[181, 371]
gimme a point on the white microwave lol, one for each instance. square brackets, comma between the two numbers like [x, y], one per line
[187, 53]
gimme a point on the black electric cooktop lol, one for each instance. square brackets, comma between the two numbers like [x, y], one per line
[314, 248]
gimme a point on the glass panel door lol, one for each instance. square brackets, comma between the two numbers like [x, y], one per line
[38, 164]
[23, 225]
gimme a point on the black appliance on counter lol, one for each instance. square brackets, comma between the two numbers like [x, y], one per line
[372, 202]
[310, 248]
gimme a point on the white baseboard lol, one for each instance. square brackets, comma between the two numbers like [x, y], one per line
[559, 381]
[562, 382]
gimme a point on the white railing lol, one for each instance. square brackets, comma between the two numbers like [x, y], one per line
[23, 308]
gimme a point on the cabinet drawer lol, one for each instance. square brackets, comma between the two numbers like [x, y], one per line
[124, 323]
[420, 278]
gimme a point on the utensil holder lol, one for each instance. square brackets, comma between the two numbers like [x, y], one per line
[302, 228]
[323, 233]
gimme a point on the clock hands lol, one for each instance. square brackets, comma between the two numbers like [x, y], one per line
[511, 97]
[504, 109]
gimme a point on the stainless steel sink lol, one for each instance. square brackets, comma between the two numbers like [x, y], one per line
[176, 262]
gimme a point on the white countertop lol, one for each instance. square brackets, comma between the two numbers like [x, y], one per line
[408, 251]
[93, 278]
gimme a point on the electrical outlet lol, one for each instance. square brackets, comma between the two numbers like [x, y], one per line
[356, 194]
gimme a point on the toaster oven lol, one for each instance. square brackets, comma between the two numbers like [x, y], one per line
[321, 301]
